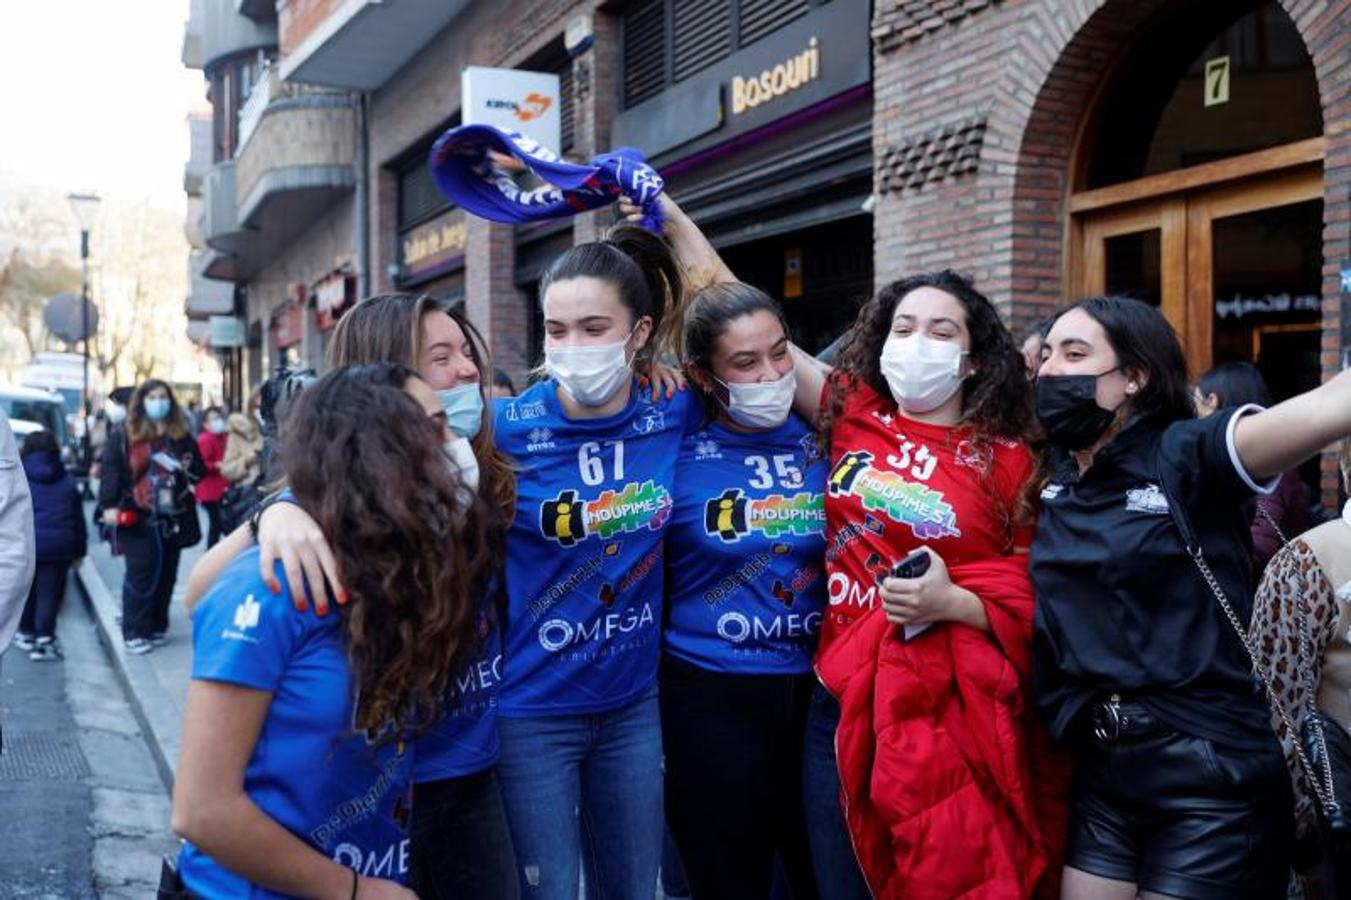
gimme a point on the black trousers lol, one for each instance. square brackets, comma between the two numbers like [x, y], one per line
[148, 587]
[733, 746]
[44, 599]
[461, 843]
[214, 529]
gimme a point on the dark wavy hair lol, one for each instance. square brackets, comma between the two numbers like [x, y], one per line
[996, 399]
[642, 268]
[388, 328]
[410, 539]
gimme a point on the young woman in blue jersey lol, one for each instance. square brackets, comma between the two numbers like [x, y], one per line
[295, 776]
[461, 844]
[746, 588]
[595, 461]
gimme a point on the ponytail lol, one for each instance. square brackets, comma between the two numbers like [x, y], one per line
[645, 274]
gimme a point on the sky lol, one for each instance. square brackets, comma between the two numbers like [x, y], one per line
[96, 97]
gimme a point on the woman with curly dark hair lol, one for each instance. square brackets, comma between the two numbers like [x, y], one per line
[295, 774]
[461, 843]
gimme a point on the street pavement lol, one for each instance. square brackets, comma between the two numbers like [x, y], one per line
[157, 683]
[85, 809]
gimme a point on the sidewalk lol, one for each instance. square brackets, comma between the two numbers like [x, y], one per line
[156, 683]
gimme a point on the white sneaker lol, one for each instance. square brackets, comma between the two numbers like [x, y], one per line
[45, 650]
[25, 641]
[139, 646]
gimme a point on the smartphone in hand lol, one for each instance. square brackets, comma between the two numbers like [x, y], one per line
[913, 566]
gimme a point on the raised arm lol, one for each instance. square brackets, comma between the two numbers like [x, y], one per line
[700, 261]
[1280, 438]
[811, 381]
[221, 724]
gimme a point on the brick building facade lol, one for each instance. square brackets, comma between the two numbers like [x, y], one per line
[1195, 154]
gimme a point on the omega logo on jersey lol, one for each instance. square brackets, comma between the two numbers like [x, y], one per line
[391, 863]
[924, 510]
[732, 515]
[737, 628]
[557, 634]
[569, 520]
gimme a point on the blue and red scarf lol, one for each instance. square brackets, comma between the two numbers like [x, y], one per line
[468, 177]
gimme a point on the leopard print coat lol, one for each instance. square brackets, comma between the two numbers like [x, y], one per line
[1293, 573]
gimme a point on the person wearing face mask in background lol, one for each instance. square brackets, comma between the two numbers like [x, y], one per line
[108, 420]
[211, 445]
[736, 665]
[461, 846]
[146, 499]
[1142, 542]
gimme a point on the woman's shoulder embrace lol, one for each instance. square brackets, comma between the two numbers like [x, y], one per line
[240, 595]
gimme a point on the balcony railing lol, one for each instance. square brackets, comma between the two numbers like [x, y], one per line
[268, 89]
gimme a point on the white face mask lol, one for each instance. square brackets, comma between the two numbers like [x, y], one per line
[922, 373]
[461, 455]
[590, 375]
[761, 404]
[217, 426]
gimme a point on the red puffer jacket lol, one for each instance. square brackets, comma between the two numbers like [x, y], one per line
[951, 785]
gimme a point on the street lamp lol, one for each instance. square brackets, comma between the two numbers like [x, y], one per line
[86, 207]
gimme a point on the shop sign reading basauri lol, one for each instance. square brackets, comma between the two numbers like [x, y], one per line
[811, 59]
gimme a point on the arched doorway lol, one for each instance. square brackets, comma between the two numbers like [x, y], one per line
[1198, 186]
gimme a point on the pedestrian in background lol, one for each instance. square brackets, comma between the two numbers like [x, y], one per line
[211, 445]
[1233, 384]
[242, 467]
[146, 497]
[16, 537]
[60, 540]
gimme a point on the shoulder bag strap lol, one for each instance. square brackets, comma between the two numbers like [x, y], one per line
[1320, 779]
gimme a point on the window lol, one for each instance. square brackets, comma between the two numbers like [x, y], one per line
[1156, 115]
[419, 197]
[228, 88]
[667, 41]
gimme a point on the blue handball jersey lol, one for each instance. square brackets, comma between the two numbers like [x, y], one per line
[584, 553]
[465, 740]
[345, 796]
[745, 550]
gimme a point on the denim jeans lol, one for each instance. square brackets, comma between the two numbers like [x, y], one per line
[585, 786]
[461, 844]
[734, 779]
[832, 849]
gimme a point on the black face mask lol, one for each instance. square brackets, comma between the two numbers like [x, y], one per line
[1067, 407]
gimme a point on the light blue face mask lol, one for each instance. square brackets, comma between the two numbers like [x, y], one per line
[464, 408]
[156, 409]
